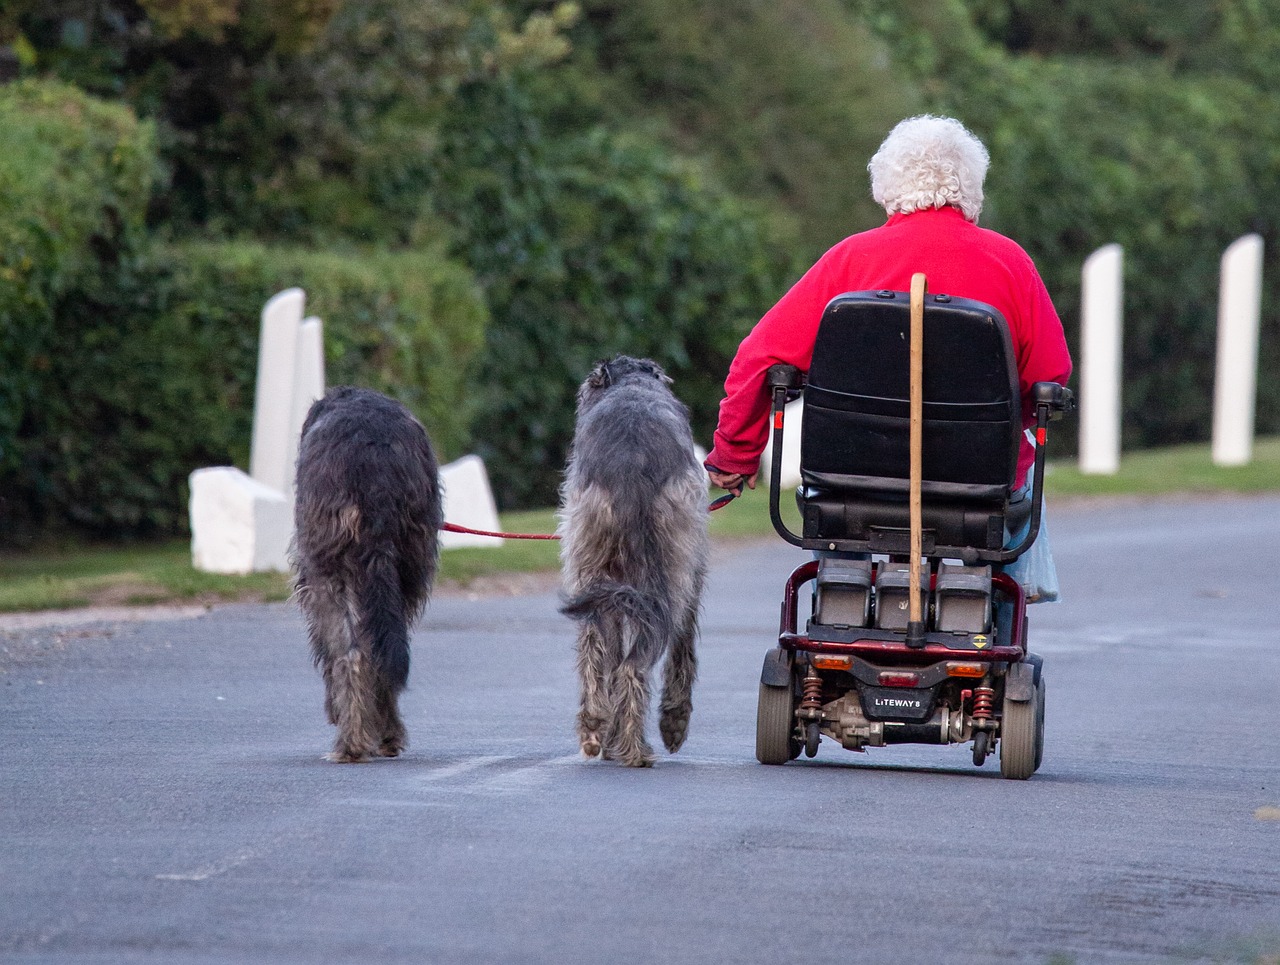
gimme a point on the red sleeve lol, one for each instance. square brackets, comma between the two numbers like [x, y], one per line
[1041, 343]
[1041, 348]
[785, 334]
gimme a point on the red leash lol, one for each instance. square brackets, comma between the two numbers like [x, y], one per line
[455, 528]
[722, 501]
[717, 503]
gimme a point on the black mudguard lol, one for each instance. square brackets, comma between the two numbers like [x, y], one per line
[777, 668]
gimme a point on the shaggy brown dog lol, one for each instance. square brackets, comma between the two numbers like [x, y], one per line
[365, 551]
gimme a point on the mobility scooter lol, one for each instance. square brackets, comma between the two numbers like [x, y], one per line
[912, 420]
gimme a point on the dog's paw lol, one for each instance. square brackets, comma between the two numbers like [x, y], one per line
[590, 734]
[393, 742]
[637, 760]
[347, 757]
[674, 728]
[637, 754]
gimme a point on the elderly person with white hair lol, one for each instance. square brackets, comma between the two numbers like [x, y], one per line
[927, 175]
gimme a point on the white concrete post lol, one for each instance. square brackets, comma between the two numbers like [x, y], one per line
[308, 386]
[269, 460]
[1236, 377]
[468, 501]
[238, 525]
[1101, 331]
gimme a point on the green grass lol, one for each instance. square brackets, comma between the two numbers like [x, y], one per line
[748, 515]
[1177, 469]
[465, 564]
[78, 576]
[94, 575]
[162, 573]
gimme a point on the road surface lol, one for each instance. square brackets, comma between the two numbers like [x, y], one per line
[163, 797]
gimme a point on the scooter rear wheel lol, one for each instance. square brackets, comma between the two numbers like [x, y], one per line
[775, 725]
[1022, 735]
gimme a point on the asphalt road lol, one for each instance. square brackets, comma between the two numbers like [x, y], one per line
[163, 797]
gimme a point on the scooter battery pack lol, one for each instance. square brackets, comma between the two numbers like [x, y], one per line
[843, 593]
[893, 591]
[962, 599]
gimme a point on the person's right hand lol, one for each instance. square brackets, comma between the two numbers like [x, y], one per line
[732, 481]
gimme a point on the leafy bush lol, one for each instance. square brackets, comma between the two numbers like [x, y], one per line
[640, 192]
[588, 247]
[156, 371]
[74, 179]
[787, 100]
[310, 121]
[404, 323]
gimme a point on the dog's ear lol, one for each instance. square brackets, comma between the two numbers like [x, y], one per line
[600, 377]
[654, 369]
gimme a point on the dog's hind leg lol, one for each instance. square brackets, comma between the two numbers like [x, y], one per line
[328, 629]
[395, 738]
[678, 675]
[382, 648]
[629, 688]
[355, 707]
[650, 628]
[598, 654]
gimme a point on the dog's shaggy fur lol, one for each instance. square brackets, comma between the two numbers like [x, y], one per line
[633, 525]
[365, 552]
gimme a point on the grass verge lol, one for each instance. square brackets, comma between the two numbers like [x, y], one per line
[68, 577]
[1176, 469]
[81, 576]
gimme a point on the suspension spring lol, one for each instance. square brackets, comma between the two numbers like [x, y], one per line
[984, 702]
[811, 695]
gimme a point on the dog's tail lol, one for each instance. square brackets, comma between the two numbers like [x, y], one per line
[381, 619]
[602, 598]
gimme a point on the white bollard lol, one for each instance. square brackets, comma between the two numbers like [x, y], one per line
[273, 395]
[238, 525]
[1101, 333]
[308, 386]
[468, 501]
[1236, 377]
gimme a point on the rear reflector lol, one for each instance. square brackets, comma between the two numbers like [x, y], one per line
[832, 663]
[894, 678]
[966, 670]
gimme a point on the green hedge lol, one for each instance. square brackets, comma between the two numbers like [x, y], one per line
[155, 372]
[405, 323]
[589, 246]
[75, 176]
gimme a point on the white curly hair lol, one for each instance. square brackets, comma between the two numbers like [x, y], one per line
[929, 162]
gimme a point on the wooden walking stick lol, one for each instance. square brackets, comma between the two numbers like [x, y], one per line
[915, 616]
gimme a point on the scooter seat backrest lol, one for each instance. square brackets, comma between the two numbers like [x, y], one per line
[855, 435]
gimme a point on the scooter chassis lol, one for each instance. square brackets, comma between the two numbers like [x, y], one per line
[1005, 648]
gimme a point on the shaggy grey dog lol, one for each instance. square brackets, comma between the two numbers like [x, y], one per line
[633, 525]
[365, 551]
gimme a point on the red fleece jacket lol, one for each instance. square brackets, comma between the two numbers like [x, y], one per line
[957, 256]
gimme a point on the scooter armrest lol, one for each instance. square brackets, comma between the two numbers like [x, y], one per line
[783, 376]
[1058, 399]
